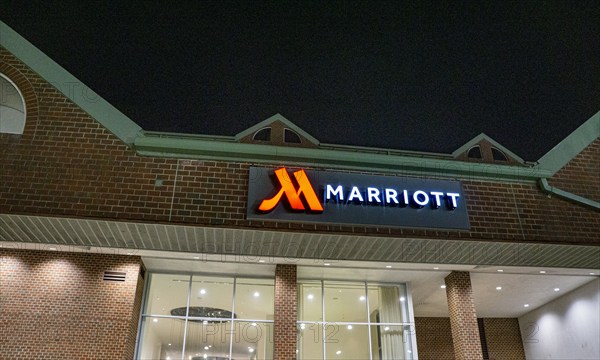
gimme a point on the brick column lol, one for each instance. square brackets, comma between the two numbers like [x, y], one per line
[284, 336]
[463, 318]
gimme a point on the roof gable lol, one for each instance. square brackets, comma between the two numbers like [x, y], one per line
[84, 97]
[267, 122]
[481, 137]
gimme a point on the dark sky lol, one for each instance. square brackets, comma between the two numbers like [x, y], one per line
[407, 75]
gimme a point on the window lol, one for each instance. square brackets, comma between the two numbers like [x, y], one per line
[263, 134]
[12, 107]
[292, 137]
[194, 317]
[353, 320]
[474, 152]
[498, 155]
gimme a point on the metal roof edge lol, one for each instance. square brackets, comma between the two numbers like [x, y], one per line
[339, 159]
[571, 146]
[99, 109]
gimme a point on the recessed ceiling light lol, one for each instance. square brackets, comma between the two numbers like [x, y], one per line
[592, 273]
[155, 320]
[498, 287]
[310, 296]
[500, 270]
[349, 327]
[206, 348]
[168, 358]
[402, 298]
[52, 248]
[202, 291]
[436, 268]
[387, 328]
[339, 352]
[261, 261]
[256, 294]
[327, 264]
[302, 326]
[251, 349]
[443, 286]
[196, 257]
[253, 324]
[169, 344]
[362, 298]
[556, 289]
[526, 305]
[205, 322]
[388, 266]
[542, 271]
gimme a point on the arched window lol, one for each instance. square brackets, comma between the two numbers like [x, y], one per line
[12, 107]
[474, 152]
[498, 155]
[290, 136]
[263, 134]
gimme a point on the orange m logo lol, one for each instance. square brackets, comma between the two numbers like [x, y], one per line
[293, 195]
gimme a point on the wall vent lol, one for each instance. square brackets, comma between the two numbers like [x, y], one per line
[114, 276]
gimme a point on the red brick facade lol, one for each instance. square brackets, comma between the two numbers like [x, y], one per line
[285, 312]
[580, 175]
[503, 338]
[57, 306]
[67, 164]
[463, 318]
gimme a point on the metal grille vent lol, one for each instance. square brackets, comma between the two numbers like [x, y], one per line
[114, 276]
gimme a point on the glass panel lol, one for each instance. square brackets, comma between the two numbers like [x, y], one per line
[211, 297]
[390, 342]
[309, 301]
[254, 299]
[498, 155]
[345, 302]
[386, 304]
[346, 341]
[252, 341]
[310, 341]
[207, 340]
[474, 152]
[161, 338]
[167, 292]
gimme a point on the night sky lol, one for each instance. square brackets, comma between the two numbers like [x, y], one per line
[416, 75]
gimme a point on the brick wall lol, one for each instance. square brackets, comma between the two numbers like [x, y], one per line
[434, 338]
[580, 175]
[67, 164]
[284, 336]
[56, 305]
[463, 318]
[504, 340]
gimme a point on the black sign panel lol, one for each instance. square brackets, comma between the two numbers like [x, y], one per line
[297, 195]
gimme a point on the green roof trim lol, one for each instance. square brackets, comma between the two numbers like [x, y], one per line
[182, 147]
[267, 122]
[572, 145]
[84, 97]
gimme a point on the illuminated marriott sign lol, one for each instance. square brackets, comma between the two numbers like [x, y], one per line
[341, 198]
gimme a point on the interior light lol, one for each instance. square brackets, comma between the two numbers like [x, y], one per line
[387, 328]
[349, 327]
[339, 352]
[388, 266]
[250, 349]
[526, 305]
[498, 287]
[261, 261]
[169, 344]
[310, 296]
[443, 286]
[556, 289]
[500, 270]
[256, 294]
[52, 248]
[196, 257]
[436, 268]
[205, 322]
[205, 356]
[168, 358]
[327, 264]
[206, 348]
[155, 320]
[542, 271]
[129, 253]
[202, 291]
[402, 298]
[302, 326]
[592, 273]
[362, 298]
[253, 324]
